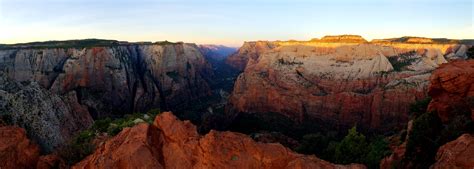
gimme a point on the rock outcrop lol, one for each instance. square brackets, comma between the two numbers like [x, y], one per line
[456, 154]
[342, 81]
[342, 38]
[49, 119]
[452, 89]
[16, 150]
[110, 76]
[249, 51]
[170, 143]
[394, 160]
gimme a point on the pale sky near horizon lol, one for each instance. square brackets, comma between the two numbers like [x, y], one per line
[231, 22]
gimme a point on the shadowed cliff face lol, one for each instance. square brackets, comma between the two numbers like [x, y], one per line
[341, 81]
[117, 78]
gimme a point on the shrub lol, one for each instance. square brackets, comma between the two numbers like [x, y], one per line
[423, 140]
[470, 53]
[314, 143]
[352, 148]
[378, 149]
[419, 107]
[429, 133]
[81, 145]
[402, 60]
[78, 148]
[285, 62]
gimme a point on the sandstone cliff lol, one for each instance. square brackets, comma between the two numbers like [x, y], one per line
[170, 143]
[48, 118]
[451, 49]
[113, 78]
[452, 89]
[55, 89]
[338, 80]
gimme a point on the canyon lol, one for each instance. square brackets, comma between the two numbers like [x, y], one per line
[52, 93]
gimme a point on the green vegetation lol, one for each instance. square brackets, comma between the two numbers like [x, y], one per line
[419, 107]
[353, 148]
[470, 53]
[165, 43]
[81, 145]
[423, 142]
[429, 133]
[84, 43]
[401, 61]
[285, 62]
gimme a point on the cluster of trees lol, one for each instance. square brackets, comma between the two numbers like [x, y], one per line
[353, 148]
[429, 133]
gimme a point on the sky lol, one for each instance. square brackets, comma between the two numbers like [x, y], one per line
[231, 22]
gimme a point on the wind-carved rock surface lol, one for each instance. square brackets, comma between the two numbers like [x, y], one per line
[171, 143]
[117, 78]
[49, 119]
[456, 154]
[341, 81]
[452, 89]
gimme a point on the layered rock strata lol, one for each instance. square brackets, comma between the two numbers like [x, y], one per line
[341, 81]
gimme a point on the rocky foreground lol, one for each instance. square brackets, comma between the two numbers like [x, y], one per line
[339, 80]
[168, 143]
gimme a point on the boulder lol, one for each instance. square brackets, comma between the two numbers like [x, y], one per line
[456, 154]
[452, 89]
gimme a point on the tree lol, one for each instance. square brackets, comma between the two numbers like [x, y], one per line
[352, 148]
[470, 53]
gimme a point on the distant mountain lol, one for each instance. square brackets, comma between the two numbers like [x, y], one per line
[216, 52]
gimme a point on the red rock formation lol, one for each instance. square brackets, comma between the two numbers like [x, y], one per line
[16, 150]
[335, 82]
[249, 51]
[452, 89]
[456, 154]
[170, 143]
